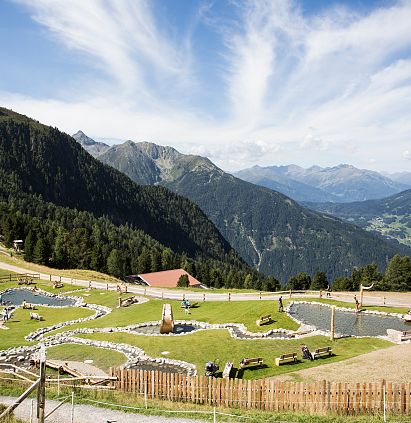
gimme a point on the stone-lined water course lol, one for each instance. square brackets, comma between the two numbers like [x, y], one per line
[347, 321]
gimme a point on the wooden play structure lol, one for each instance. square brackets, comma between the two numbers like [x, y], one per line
[227, 369]
[167, 322]
[25, 281]
[126, 302]
[122, 289]
[28, 306]
[267, 319]
[36, 316]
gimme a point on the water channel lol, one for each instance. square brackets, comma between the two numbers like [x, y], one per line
[17, 296]
[347, 322]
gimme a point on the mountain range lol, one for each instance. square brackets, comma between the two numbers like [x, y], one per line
[269, 230]
[342, 183]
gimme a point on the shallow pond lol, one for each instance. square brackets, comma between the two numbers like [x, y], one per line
[347, 322]
[17, 296]
[155, 329]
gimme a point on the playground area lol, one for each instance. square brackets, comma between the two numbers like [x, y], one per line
[90, 332]
[168, 334]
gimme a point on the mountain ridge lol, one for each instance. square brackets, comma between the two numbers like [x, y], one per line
[264, 226]
[341, 183]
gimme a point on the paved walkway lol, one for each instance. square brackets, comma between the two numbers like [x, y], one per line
[87, 414]
[393, 299]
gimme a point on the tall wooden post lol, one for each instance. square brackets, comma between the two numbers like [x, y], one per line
[41, 392]
[332, 322]
[362, 293]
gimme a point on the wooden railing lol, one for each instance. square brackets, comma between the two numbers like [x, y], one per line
[14, 277]
[268, 394]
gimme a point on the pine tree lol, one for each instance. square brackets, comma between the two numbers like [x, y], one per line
[320, 281]
[115, 265]
[29, 244]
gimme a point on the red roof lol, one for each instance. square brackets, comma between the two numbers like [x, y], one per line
[167, 278]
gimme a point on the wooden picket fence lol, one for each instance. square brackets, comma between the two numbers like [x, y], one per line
[266, 394]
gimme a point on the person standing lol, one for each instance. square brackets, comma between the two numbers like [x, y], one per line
[280, 304]
[357, 304]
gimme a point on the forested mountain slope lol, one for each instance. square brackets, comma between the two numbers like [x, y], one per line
[45, 176]
[390, 217]
[270, 231]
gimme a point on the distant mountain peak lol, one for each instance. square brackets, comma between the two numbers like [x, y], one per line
[93, 147]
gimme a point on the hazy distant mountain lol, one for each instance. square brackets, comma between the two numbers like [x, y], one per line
[93, 147]
[342, 183]
[270, 231]
[402, 177]
[390, 217]
[270, 178]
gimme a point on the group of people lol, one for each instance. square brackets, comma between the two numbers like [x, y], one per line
[5, 314]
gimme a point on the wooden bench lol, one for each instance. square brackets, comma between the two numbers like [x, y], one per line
[36, 316]
[227, 369]
[263, 320]
[286, 358]
[251, 362]
[406, 335]
[326, 351]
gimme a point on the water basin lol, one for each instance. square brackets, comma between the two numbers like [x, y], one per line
[155, 329]
[17, 296]
[347, 323]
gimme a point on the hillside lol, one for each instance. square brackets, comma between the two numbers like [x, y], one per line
[342, 183]
[51, 188]
[270, 231]
[389, 217]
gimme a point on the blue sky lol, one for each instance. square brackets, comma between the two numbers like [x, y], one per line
[266, 82]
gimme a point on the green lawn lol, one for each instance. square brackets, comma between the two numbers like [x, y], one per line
[103, 359]
[200, 347]
[246, 312]
[20, 324]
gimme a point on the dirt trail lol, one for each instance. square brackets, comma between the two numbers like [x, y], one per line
[392, 364]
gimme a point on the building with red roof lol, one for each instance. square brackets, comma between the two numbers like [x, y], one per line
[167, 279]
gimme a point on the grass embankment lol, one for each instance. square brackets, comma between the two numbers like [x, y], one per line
[188, 410]
[103, 359]
[17, 260]
[200, 347]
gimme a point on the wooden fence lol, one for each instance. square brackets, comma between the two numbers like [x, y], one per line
[16, 276]
[265, 394]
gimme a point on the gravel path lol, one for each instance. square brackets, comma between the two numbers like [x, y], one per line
[392, 364]
[87, 414]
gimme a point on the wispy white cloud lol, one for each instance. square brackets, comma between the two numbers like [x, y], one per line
[122, 38]
[323, 88]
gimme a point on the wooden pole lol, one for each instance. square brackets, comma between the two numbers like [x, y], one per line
[332, 322]
[361, 296]
[41, 392]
